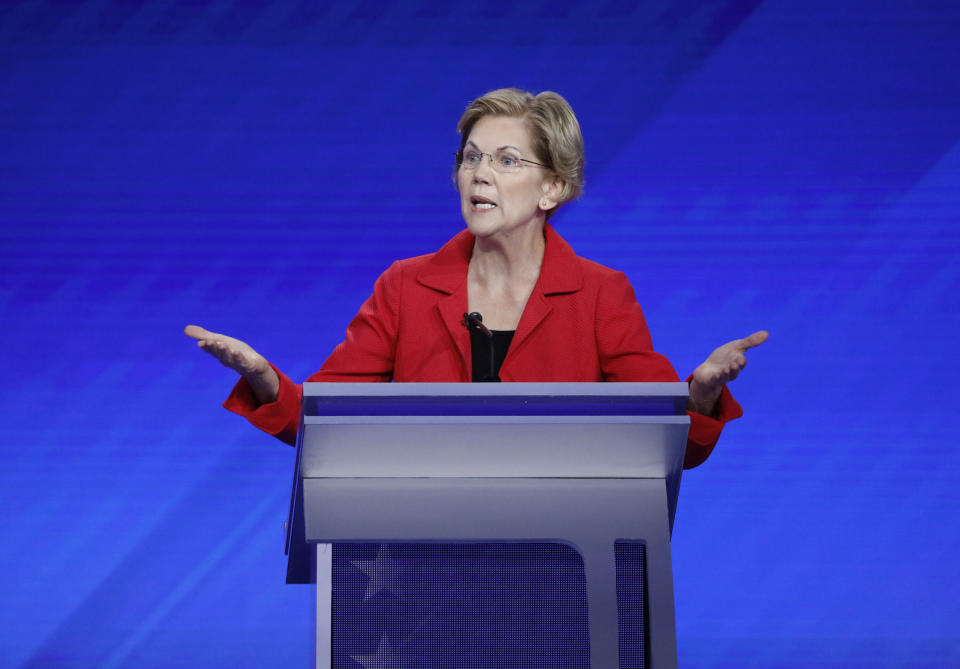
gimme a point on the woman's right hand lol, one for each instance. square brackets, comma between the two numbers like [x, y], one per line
[241, 358]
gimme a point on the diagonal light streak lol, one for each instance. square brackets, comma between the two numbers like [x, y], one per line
[192, 580]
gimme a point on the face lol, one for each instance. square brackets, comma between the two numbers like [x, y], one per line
[494, 203]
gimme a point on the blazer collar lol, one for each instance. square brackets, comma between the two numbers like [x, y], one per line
[446, 271]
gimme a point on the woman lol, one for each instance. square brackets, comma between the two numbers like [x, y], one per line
[547, 314]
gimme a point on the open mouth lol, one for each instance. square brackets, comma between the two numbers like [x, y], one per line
[481, 203]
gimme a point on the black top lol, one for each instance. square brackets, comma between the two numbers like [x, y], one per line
[488, 353]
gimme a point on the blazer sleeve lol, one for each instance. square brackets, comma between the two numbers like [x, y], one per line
[366, 354]
[626, 354]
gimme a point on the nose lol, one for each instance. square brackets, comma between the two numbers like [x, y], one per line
[482, 172]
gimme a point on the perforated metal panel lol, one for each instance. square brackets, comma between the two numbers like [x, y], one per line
[477, 605]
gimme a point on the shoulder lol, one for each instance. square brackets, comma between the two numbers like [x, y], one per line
[409, 266]
[608, 289]
[594, 272]
[451, 257]
[565, 271]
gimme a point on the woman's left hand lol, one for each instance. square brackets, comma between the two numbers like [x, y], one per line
[721, 367]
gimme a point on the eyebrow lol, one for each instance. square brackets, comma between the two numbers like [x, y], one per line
[499, 148]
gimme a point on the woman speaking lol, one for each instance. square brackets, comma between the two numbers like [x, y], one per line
[507, 299]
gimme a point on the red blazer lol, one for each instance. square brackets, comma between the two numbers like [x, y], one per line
[581, 323]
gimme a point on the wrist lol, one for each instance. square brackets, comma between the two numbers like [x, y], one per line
[265, 384]
[703, 399]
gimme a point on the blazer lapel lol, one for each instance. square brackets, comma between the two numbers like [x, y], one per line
[451, 309]
[535, 311]
[559, 274]
[447, 273]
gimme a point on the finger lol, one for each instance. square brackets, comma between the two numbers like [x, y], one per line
[218, 348]
[227, 355]
[235, 357]
[209, 346]
[239, 361]
[755, 339]
[198, 332]
[227, 352]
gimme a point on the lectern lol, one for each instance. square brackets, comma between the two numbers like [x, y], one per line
[584, 464]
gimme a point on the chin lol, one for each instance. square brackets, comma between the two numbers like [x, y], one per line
[480, 230]
[479, 225]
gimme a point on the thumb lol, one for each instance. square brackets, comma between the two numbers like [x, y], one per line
[755, 339]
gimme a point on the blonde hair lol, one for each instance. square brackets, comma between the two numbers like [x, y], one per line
[553, 127]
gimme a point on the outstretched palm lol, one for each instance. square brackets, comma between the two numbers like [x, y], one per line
[241, 358]
[233, 353]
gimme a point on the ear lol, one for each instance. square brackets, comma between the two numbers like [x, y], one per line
[552, 188]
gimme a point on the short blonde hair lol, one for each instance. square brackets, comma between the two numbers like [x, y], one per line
[553, 127]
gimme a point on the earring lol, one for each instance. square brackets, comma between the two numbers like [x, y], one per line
[544, 204]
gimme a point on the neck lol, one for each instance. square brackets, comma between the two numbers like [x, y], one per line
[512, 259]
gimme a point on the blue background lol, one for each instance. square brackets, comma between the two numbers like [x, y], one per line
[250, 166]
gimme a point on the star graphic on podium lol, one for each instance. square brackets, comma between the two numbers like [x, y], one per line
[384, 658]
[381, 573]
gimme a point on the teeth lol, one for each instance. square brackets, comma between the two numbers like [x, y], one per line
[485, 205]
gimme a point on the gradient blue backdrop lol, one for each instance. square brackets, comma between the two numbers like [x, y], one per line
[252, 166]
